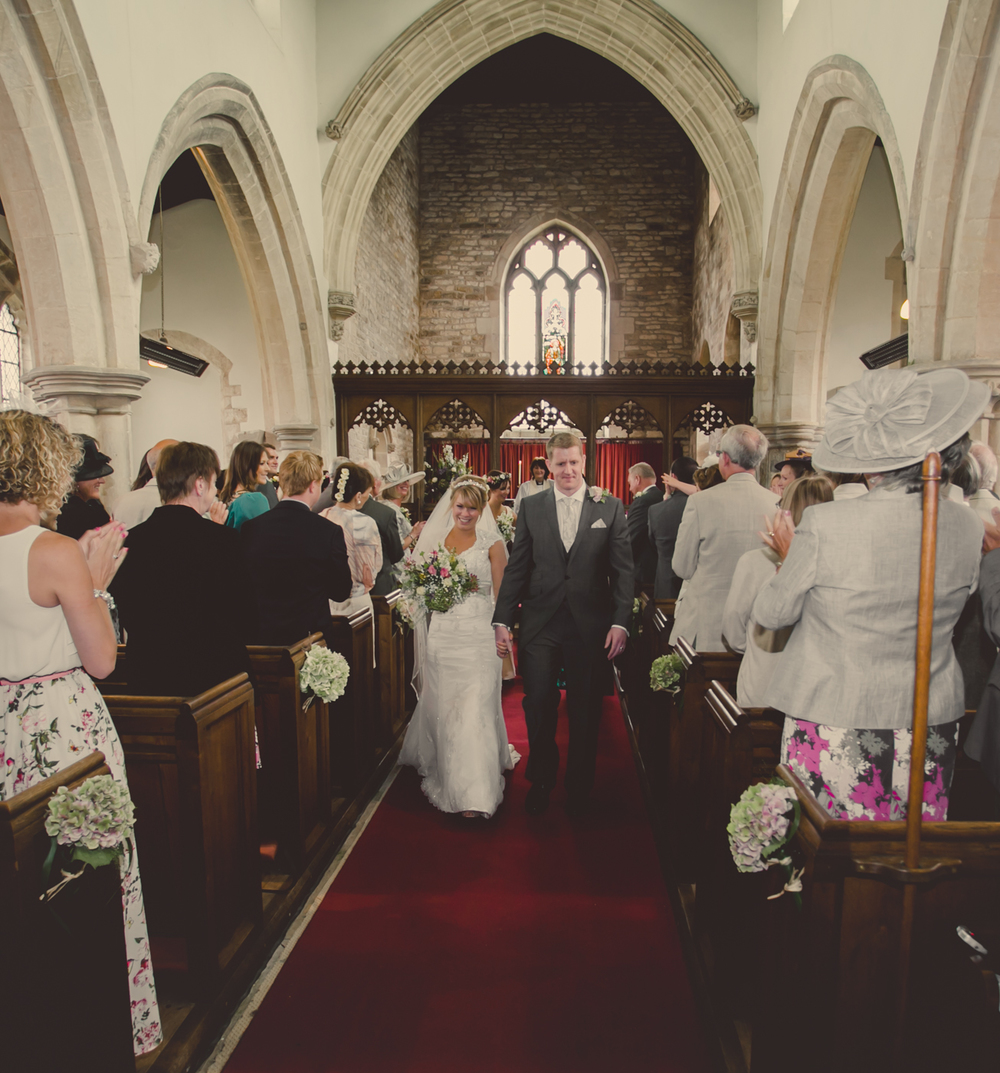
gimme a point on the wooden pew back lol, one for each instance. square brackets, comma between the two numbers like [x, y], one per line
[390, 633]
[355, 745]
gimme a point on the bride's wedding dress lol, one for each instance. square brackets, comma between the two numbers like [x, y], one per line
[457, 738]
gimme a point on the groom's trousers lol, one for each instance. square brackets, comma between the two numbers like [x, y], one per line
[559, 646]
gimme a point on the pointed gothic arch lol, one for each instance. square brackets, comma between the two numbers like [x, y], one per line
[221, 120]
[456, 420]
[630, 417]
[642, 39]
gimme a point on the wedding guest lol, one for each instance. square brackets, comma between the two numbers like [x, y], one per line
[185, 592]
[136, 506]
[776, 483]
[395, 489]
[268, 486]
[983, 740]
[719, 524]
[740, 633]
[849, 585]
[303, 558]
[326, 496]
[143, 476]
[847, 485]
[352, 486]
[246, 472]
[83, 509]
[538, 482]
[388, 530]
[664, 521]
[498, 484]
[983, 499]
[642, 485]
[708, 477]
[795, 464]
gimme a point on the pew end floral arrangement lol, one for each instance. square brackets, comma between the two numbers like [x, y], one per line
[432, 581]
[324, 674]
[665, 674]
[92, 825]
[761, 824]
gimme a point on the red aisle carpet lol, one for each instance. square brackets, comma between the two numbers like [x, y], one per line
[516, 944]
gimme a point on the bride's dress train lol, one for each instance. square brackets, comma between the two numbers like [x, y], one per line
[457, 738]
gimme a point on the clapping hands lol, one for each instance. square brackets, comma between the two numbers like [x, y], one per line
[102, 548]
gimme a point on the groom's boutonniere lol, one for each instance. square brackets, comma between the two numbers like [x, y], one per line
[597, 493]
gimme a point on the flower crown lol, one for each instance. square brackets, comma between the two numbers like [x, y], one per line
[497, 481]
[342, 480]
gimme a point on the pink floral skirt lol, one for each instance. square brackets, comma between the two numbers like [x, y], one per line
[46, 724]
[861, 774]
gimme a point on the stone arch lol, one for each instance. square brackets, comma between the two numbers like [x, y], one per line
[220, 119]
[642, 39]
[954, 227]
[839, 115]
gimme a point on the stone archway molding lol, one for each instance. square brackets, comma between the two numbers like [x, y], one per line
[455, 35]
[220, 119]
[839, 115]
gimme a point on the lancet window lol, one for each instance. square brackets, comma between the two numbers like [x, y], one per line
[10, 356]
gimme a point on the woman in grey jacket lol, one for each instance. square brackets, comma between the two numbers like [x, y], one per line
[848, 583]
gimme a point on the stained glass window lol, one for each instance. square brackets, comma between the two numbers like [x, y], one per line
[556, 308]
[10, 356]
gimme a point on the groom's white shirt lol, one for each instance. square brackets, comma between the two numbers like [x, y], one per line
[568, 508]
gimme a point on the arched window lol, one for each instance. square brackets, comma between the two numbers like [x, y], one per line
[556, 306]
[10, 356]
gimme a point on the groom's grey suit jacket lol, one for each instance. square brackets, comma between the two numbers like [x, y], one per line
[594, 577]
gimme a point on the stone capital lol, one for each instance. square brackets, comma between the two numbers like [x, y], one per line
[340, 305]
[791, 434]
[80, 389]
[295, 437]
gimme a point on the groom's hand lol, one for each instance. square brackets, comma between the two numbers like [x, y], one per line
[502, 636]
[615, 641]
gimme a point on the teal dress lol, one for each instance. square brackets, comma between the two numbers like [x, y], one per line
[245, 506]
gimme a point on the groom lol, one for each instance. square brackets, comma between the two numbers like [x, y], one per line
[571, 572]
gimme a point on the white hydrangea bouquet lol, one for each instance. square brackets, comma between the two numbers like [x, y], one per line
[505, 523]
[665, 674]
[761, 824]
[433, 581]
[324, 674]
[94, 823]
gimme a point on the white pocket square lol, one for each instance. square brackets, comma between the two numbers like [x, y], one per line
[599, 524]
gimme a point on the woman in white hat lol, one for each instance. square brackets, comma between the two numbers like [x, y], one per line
[395, 488]
[848, 583]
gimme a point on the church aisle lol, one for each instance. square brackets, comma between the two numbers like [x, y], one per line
[520, 943]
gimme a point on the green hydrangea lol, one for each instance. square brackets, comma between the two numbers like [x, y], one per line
[324, 673]
[96, 819]
[665, 673]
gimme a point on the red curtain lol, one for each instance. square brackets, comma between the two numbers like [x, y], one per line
[515, 459]
[479, 454]
[613, 461]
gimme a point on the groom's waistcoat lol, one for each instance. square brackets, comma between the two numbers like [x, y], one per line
[594, 577]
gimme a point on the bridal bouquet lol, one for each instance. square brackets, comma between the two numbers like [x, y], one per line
[433, 581]
[505, 523]
[761, 824]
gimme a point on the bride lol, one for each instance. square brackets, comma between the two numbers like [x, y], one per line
[457, 738]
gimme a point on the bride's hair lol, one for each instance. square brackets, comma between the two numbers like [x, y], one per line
[474, 492]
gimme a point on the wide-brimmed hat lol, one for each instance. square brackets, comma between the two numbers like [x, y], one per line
[94, 464]
[891, 418]
[798, 455]
[400, 472]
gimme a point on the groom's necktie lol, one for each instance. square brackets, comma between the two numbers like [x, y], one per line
[569, 519]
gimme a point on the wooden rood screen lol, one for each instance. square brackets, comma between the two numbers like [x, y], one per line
[482, 409]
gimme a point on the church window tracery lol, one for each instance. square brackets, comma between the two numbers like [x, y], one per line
[556, 306]
[10, 356]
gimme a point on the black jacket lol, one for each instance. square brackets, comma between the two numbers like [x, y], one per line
[664, 519]
[392, 546]
[78, 515]
[185, 598]
[643, 552]
[300, 561]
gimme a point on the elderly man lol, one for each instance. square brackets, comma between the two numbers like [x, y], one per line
[718, 526]
[642, 485]
[136, 506]
[388, 530]
[983, 500]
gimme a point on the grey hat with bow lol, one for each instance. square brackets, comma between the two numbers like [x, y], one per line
[891, 418]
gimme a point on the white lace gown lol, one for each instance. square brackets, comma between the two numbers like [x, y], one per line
[457, 739]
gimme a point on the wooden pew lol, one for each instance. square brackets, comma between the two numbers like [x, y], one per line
[740, 747]
[390, 634]
[64, 997]
[658, 623]
[355, 744]
[192, 774]
[838, 954]
[294, 798]
[687, 725]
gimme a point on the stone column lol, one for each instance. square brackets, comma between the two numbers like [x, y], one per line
[97, 402]
[786, 436]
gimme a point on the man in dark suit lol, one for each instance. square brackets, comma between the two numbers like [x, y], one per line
[388, 530]
[642, 485]
[571, 572]
[185, 591]
[664, 520]
[302, 558]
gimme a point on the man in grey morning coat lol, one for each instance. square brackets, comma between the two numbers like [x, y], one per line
[718, 526]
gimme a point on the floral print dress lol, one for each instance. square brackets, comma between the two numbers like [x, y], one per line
[50, 720]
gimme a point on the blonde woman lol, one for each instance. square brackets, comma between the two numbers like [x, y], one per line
[55, 632]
